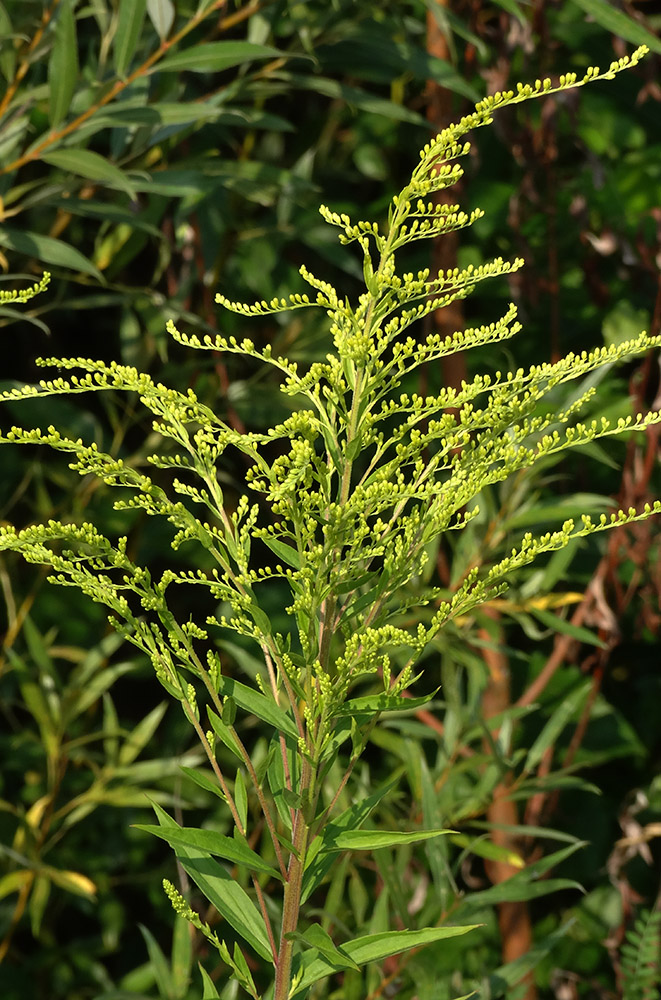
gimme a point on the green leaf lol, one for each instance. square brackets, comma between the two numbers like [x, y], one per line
[63, 64]
[92, 166]
[559, 719]
[507, 976]
[47, 249]
[316, 937]
[371, 948]
[182, 956]
[15, 316]
[141, 734]
[222, 891]
[210, 991]
[618, 23]
[96, 686]
[318, 865]
[487, 849]
[210, 842]
[524, 885]
[129, 25]
[282, 551]
[221, 730]
[257, 704]
[215, 56]
[203, 781]
[559, 624]
[161, 14]
[293, 799]
[7, 50]
[158, 962]
[229, 712]
[241, 798]
[371, 704]
[515, 892]
[372, 840]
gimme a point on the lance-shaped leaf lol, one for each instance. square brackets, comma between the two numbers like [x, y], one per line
[129, 26]
[372, 840]
[370, 948]
[216, 56]
[549, 734]
[316, 937]
[92, 166]
[618, 23]
[161, 14]
[318, 864]
[257, 704]
[47, 249]
[63, 64]
[222, 891]
[210, 842]
[372, 703]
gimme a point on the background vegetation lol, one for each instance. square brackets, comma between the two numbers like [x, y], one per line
[150, 156]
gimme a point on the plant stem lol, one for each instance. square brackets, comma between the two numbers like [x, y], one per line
[292, 892]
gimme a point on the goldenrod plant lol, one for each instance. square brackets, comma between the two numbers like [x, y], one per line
[345, 495]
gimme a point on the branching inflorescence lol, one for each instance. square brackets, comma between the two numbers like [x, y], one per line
[366, 476]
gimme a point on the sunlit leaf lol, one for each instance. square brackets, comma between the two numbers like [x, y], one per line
[63, 64]
[47, 249]
[618, 23]
[7, 50]
[129, 25]
[92, 166]
[372, 840]
[371, 948]
[228, 848]
[161, 14]
[75, 882]
[215, 56]
[223, 892]
[551, 731]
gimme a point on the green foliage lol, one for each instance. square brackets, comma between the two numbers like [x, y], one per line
[641, 958]
[358, 481]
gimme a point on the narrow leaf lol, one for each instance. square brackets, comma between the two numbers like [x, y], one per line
[618, 23]
[371, 704]
[216, 56]
[141, 735]
[92, 166]
[203, 781]
[161, 14]
[225, 734]
[47, 249]
[372, 840]
[129, 26]
[283, 551]
[210, 842]
[559, 624]
[7, 53]
[210, 991]
[316, 937]
[158, 963]
[318, 865]
[372, 948]
[181, 960]
[258, 704]
[75, 882]
[241, 798]
[487, 849]
[554, 726]
[222, 891]
[63, 64]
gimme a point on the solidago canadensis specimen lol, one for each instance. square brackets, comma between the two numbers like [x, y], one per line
[365, 477]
